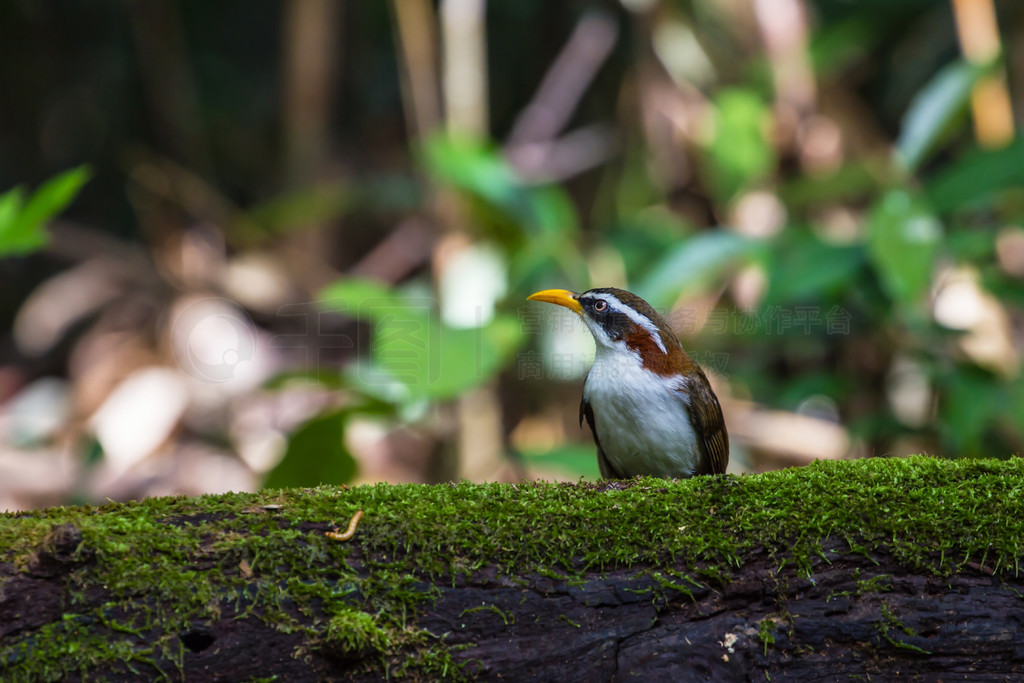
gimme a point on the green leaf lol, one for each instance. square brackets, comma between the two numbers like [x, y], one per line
[903, 240]
[54, 195]
[934, 108]
[22, 221]
[803, 267]
[480, 171]
[972, 245]
[836, 45]
[438, 362]
[977, 176]
[850, 182]
[1014, 407]
[360, 297]
[328, 378]
[411, 348]
[739, 154]
[694, 264]
[553, 210]
[316, 454]
[373, 382]
[10, 207]
[972, 402]
[477, 168]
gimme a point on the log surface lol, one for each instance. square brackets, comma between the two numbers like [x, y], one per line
[77, 601]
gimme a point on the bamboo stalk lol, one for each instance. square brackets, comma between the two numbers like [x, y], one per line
[416, 24]
[465, 66]
[978, 31]
[310, 47]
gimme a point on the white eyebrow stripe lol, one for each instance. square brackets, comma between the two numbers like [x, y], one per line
[636, 317]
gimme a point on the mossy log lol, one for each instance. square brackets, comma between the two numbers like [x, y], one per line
[878, 568]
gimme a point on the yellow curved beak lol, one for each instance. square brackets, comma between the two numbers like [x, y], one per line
[561, 297]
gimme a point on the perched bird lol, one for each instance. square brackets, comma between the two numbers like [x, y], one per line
[649, 406]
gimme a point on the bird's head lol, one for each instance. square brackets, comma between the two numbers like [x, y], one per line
[623, 322]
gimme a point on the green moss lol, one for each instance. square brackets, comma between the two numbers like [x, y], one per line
[505, 617]
[354, 631]
[166, 563]
[766, 632]
[889, 626]
[672, 580]
[876, 584]
[74, 646]
[569, 621]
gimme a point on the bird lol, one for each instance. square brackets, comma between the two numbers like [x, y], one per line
[649, 406]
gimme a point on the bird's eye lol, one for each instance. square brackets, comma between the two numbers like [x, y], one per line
[600, 305]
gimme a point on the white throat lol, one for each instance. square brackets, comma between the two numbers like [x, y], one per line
[641, 418]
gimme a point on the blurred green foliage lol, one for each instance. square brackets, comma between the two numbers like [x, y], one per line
[316, 454]
[23, 218]
[936, 109]
[536, 226]
[904, 239]
[411, 347]
[739, 154]
[840, 312]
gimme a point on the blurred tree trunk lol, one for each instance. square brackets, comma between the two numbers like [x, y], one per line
[310, 44]
[311, 28]
[417, 43]
[465, 66]
[167, 77]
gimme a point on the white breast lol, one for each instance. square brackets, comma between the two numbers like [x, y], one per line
[642, 423]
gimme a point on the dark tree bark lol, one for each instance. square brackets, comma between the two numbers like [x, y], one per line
[359, 609]
[761, 626]
[860, 615]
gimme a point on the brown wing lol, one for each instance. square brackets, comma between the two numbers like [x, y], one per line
[706, 414]
[607, 471]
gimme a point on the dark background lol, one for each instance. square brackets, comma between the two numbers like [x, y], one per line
[824, 198]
